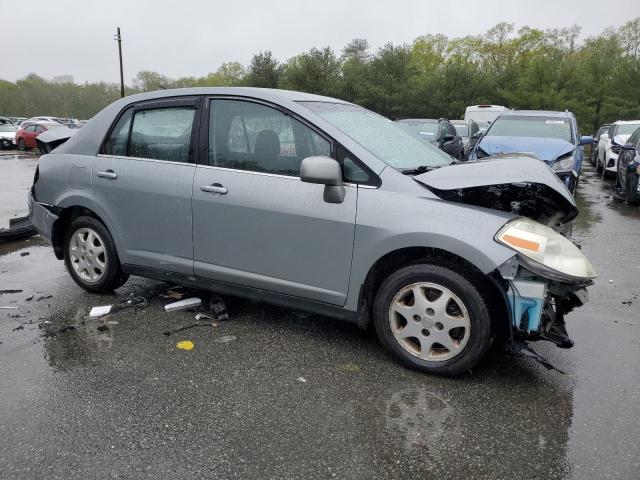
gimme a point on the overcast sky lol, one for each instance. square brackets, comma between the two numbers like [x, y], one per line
[193, 37]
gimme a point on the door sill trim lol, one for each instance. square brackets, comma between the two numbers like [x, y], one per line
[242, 291]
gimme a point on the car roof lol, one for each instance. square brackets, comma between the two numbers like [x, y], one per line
[536, 113]
[265, 93]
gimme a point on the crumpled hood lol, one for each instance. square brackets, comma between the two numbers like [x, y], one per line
[499, 181]
[547, 149]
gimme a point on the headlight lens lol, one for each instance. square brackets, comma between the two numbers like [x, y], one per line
[546, 247]
[563, 164]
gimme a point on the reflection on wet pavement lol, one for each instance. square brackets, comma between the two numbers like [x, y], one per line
[113, 397]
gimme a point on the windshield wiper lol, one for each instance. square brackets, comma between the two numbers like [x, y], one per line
[423, 169]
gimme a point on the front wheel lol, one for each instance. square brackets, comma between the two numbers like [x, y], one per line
[433, 319]
[630, 195]
[91, 258]
[21, 146]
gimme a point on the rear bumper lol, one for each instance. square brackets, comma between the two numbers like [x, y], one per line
[41, 217]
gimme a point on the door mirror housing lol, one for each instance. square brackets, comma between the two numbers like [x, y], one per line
[324, 171]
[448, 138]
[586, 140]
[476, 135]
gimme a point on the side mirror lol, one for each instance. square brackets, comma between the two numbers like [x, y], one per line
[476, 135]
[586, 140]
[628, 146]
[448, 138]
[324, 171]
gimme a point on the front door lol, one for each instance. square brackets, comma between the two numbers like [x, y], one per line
[255, 222]
[142, 184]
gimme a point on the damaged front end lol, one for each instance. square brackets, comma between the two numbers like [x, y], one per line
[538, 304]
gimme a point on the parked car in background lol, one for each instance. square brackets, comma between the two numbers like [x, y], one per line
[17, 120]
[27, 133]
[440, 133]
[8, 135]
[609, 146]
[39, 119]
[483, 113]
[551, 136]
[604, 128]
[627, 186]
[469, 132]
[6, 121]
[441, 257]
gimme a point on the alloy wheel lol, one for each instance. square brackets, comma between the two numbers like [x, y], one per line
[429, 321]
[88, 255]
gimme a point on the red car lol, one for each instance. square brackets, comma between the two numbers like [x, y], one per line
[26, 134]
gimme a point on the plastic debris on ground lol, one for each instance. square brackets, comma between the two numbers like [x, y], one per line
[185, 304]
[6, 291]
[185, 345]
[97, 312]
[301, 379]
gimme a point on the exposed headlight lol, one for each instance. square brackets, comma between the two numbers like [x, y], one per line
[545, 248]
[564, 163]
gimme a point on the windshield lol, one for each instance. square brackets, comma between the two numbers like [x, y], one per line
[382, 137]
[529, 126]
[627, 128]
[463, 130]
[8, 127]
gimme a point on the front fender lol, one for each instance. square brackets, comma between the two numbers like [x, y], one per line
[390, 221]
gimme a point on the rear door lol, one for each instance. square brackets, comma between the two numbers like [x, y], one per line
[255, 223]
[142, 183]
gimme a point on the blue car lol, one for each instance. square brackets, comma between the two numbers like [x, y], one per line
[553, 137]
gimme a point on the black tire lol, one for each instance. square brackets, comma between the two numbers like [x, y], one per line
[629, 193]
[112, 275]
[21, 146]
[480, 332]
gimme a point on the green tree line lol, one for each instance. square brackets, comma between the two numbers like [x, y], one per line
[434, 76]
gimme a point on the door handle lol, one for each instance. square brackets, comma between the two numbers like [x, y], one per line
[110, 174]
[214, 188]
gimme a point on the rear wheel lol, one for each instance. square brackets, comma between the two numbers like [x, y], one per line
[433, 319]
[91, 258]
[21, 146]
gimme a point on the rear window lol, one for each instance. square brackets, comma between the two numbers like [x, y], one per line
[531, 126]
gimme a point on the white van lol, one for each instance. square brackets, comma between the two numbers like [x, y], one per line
[483, 113]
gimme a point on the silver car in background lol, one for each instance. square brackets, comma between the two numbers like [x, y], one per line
[318, 204]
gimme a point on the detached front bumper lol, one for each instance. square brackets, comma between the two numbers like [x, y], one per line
[537, 305]
[41, 217]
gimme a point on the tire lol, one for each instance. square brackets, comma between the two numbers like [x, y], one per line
[91, 258]
[467, 325]
[21, 146]
[629, 193]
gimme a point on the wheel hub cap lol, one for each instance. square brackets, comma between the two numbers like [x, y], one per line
[429, 321]
[88, 255]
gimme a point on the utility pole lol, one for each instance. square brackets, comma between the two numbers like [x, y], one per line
[118, 38]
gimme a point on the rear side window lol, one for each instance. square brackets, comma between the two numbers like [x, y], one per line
[158, 134]
[162, 134]
[117, 142]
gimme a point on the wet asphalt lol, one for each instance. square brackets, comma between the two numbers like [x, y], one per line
[274, 393]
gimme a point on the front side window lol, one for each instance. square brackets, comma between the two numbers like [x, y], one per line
[245, 135]
[531, 126]
[385, 139]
